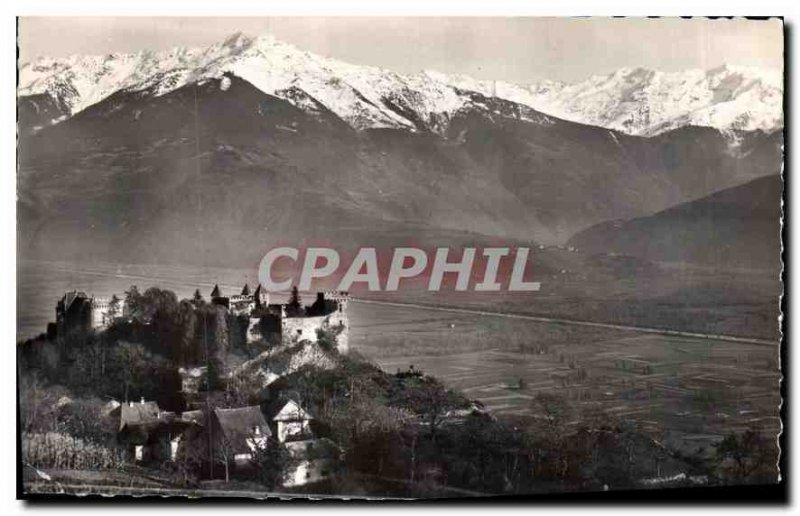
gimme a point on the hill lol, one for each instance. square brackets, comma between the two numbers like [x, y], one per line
[736, 227]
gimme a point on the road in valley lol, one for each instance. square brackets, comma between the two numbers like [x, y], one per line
[537, 318]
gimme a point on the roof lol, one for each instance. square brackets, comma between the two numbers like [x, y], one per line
[290, 410]
[238, 425]
[246, 290]
[138, 413]
[71, 296]
[258, 290]
[192, 372]
[216, 292]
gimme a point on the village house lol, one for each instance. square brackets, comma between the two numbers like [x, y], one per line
[229, 436]
[235, 435]
[289, 421]
[238, 432]
[147, 432]
[312, 458]
[193, 381]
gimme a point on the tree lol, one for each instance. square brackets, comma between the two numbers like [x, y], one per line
[83, 418]
[752, 457]
[242, 390]
[37, 404]
[224, 452]
[217, 348]
[130, 365]
[295, 305]
[135, 303]
[327, 338]
[114, 308]
[272, 461]
[187, 317]
[428, 398]
[197, 299]
[159, 302]
[553, 409]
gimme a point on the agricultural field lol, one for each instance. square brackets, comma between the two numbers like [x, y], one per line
[627, 291]
[690, 390]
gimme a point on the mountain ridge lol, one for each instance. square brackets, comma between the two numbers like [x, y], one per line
[734, 227]
[219, 171]
[633, 100]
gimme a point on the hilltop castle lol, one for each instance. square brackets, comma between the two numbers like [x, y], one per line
[77, 311]
[329, 311]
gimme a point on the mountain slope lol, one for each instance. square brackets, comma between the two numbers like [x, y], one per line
[634, 101]
[737, 227]
[218, 171]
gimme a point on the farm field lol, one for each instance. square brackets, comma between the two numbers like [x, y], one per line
[692, 390]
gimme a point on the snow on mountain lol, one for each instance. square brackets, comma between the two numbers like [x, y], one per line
[647, 102]
[365, 97]
[635, 101]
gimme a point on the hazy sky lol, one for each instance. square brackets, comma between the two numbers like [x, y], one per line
[511, 49]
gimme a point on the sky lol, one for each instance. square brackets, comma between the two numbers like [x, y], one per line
[520, 50]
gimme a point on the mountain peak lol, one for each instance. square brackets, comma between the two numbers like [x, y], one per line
[237, 40]
[646, 102]
[634, 100]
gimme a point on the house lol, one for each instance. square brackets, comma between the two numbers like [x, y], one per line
[313, 458]
[132, 414]
[193, 381]
[192, 378]
[237, 433]
[289, 421]
[148, 433]
[138, 426]
[190, 425]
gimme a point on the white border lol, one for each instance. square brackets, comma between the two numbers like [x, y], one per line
[788, 9]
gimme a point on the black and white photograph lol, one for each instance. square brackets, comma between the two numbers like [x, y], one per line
[398, 258]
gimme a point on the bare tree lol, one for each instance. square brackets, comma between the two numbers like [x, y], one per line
[224, 452]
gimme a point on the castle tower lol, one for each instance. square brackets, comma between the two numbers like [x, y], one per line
[261, 297]
[216, 292]
[341, 298]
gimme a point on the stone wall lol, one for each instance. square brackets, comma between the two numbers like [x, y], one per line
[305, 328]
[100, 307]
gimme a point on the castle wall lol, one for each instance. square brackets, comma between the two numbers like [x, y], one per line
[99, 313]
[305, 328]
[253, 333]
[301, 328]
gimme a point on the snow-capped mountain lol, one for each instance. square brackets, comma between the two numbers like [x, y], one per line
[634, 101]
[648, 102]
[365, 97]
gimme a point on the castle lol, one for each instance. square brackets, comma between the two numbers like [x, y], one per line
[329, 311]
[76, 311]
